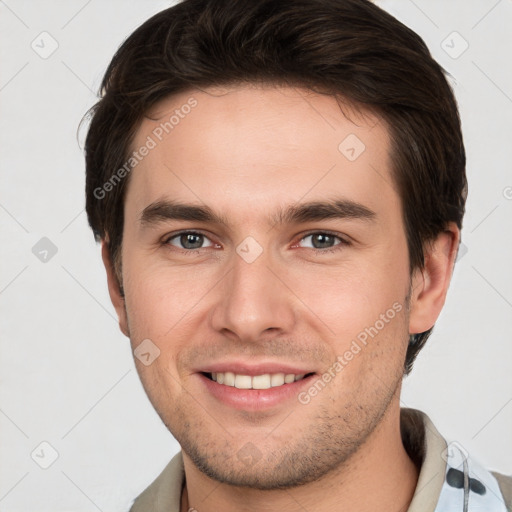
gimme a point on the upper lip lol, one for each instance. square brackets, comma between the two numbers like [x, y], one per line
[241, 368]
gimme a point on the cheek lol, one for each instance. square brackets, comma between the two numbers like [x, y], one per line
[159, 308]
[165, 304]
[353, 297]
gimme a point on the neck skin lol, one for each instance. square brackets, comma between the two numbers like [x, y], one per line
[379, 476]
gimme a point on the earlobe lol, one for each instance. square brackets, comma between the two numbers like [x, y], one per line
[114, 289]
[430, 284]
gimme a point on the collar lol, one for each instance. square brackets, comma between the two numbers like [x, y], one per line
[425, 445]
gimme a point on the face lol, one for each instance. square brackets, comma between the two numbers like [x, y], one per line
[264, 256]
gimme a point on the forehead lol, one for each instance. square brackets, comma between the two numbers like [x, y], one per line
[254, 145]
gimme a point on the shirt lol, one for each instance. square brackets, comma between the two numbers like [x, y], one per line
[450, 480]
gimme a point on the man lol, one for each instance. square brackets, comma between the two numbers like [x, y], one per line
[279, 190]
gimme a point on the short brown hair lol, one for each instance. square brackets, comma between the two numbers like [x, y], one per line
[350, 49]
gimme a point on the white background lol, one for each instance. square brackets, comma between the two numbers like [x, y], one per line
[66, 372]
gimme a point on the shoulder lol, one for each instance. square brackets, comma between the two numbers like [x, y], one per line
[164, 493]
[505, 483]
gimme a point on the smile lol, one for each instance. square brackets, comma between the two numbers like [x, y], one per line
[263, 381]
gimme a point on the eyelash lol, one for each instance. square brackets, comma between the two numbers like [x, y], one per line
[189, 252]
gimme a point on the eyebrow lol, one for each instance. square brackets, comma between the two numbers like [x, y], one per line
[338, 208]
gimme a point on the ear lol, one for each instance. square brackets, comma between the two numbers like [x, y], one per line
[114, 289]
[430, 285]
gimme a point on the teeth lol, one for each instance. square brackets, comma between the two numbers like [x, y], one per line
[229, 379]
[243, 382]
[261, 381]
[264, 381]
[277, 379]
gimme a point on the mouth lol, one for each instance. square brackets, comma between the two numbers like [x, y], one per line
[256, 382]
[256, 385]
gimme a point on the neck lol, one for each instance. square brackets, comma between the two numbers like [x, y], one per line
[379, 476]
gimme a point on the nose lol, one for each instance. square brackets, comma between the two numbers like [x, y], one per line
[254, 301]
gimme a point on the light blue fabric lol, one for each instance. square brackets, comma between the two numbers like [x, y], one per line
[468, 487]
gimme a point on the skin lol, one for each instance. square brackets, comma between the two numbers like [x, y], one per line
[246, 151]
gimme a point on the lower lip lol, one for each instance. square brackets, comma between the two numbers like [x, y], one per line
[254, 399]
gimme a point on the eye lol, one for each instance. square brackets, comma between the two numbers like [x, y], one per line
[324, 242]
[188, 240]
